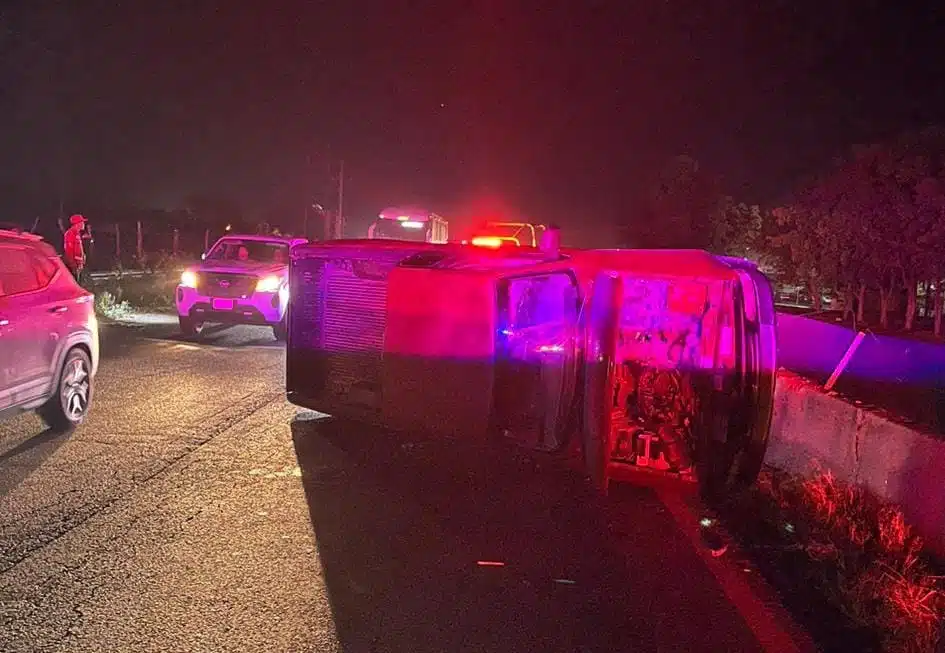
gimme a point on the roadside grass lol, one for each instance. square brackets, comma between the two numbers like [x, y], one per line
[121, 296]
[820, 540]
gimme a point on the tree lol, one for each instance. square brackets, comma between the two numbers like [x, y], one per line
[679, 208]
[801, 236]
[876, 220]
[744, 230]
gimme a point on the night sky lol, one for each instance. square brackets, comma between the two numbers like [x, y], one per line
[556, 111]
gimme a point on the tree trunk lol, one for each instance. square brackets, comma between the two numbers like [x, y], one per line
[937, 311]
[885, 295]
[860, 301]
[815, 295]
[911, 303]
[926, 311]
[848, 301]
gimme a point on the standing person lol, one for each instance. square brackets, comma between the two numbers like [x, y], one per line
[72, 247]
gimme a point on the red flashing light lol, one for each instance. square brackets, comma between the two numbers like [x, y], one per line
[495, 242]
[487, 241]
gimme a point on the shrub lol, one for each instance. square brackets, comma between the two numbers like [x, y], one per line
[107, 305]
[861, 553]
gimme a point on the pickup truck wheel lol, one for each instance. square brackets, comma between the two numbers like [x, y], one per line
[69, 404]
[190, 327]
[280, 331]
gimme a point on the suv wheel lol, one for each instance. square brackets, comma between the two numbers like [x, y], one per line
[280, 331]
[69, 405]
[189, 326]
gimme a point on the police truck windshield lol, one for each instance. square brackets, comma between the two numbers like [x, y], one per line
[256, 251]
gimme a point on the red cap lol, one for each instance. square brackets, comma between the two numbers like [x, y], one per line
[77, 219]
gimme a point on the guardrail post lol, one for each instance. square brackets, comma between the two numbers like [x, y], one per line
[118, 243]
[842, 365]
[140, 244]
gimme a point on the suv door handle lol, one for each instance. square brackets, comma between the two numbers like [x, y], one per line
[59, 309]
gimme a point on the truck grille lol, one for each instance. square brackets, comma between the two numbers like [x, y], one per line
[225, 284]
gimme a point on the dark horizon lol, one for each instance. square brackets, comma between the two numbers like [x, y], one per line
[552, 113]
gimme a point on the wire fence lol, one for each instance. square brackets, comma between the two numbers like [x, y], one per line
[139, 246]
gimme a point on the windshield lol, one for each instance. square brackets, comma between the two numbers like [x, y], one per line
[255, 251]
[395, 230]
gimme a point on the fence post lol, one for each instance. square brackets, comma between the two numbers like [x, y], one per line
[176, 242]
[118, 243]
[842, 365]
[140, 244]
[206, 240]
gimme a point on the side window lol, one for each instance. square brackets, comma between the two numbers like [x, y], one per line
[45, 269]
[18, 274]
[535, 301]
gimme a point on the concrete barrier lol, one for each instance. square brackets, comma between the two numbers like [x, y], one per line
[901, 374]
[813, 431]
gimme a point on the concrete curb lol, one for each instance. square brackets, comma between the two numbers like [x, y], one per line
[813, 431]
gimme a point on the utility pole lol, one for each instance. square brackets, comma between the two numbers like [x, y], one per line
[340, 221]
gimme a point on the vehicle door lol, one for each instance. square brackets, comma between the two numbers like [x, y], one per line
[7, 354]
[25, 315]
[537, 353]
[601, 325]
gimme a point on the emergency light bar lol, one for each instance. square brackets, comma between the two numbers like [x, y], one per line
[493, 242]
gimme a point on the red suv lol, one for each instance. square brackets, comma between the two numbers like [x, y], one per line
[48, 334]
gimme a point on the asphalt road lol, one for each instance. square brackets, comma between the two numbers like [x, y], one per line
[196, 510]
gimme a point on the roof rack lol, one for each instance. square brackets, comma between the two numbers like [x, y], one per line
[11, 230]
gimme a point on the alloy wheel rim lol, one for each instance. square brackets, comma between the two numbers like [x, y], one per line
[75, 389]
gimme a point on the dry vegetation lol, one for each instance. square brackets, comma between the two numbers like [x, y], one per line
[859, 552]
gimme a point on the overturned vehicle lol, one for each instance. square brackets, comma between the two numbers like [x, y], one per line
[624, 361]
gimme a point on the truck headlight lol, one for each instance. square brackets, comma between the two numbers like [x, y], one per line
[269, 284]
[188, 279]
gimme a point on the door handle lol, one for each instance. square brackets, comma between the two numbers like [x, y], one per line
[59, 309]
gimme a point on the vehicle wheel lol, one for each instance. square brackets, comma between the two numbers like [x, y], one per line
[70, 403]
[280, 331]
[189, 326]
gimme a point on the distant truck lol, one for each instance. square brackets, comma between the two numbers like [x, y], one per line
[410, 224]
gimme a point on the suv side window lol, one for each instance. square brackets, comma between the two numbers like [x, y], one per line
[18, 273]
[45, 268]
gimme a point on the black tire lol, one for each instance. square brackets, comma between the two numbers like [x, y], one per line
[190, 327]
[70, 402]
[280, 331]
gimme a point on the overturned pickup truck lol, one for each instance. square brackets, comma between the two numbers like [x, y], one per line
[625, 361]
